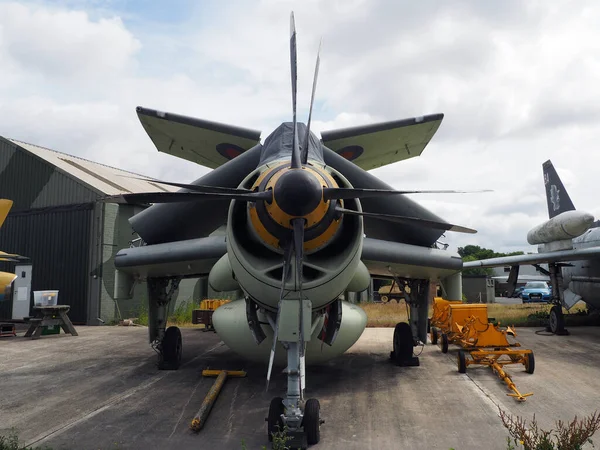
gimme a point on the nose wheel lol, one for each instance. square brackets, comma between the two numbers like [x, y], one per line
[308, 434]
[311, 421]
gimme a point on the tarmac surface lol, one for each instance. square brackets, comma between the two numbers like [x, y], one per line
[102, 390]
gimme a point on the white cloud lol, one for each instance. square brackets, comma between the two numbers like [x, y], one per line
[517, 82]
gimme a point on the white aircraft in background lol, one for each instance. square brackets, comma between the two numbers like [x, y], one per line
[569, 242]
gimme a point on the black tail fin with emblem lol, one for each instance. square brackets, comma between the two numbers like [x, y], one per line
[556, 194]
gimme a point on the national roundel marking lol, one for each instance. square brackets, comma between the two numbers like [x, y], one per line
[229, 151]
[351, 152]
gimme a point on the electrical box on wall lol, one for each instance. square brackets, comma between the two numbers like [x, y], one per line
[22, 291]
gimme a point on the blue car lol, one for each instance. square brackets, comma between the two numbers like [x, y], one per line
[536, 291]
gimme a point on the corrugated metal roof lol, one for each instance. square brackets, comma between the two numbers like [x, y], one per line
[105, 179]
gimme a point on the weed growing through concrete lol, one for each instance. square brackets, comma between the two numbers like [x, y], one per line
[11, 442]
[571, 436]
[183, 313]
[280, 439]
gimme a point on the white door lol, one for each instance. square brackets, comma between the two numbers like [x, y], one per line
[22, 292]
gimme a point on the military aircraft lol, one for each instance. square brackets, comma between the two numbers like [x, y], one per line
[569, 241]
[294, 222]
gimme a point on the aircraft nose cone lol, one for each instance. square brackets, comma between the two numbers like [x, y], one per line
[298, 192]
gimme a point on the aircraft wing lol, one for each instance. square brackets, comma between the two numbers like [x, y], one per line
[537, 258]
[209, 144]
[387, 258]
[194, 257]
[376, 145]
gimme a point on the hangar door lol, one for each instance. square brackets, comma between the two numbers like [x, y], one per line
[57, 241]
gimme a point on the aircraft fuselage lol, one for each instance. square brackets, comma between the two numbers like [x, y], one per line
[583, 277]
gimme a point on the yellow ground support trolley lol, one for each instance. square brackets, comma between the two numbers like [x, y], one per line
[449, 316]
[483, 342]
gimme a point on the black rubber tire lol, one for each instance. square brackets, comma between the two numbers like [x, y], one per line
[529, 363]
[434, 336]
[444, 343]
[556, 319]
[172, 346]
[311, 421]
[462, 361]
[403, 342]
[274, 420]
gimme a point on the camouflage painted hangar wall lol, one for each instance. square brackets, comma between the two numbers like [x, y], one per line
[71, 239]
[51, 223]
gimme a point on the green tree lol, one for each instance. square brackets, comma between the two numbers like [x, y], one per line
[476, 253]
[476, 270]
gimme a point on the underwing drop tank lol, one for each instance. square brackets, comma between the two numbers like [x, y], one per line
[567, 225]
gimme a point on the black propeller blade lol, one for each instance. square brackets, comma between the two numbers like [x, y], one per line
[304, 156]
[348, 193]
[410, 220]
[175, 197]
[298, 230]
[296, 163]
[200, 188]
[287, 263]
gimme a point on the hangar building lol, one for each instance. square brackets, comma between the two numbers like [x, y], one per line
[72, 238]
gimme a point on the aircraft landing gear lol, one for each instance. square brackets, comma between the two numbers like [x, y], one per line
[292, 417]
[299, 420]
[167, 343]
[171, 349]
[402, 355]
[556, 321]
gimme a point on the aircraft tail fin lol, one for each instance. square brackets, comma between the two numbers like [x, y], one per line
[556, 195]
[5, 206]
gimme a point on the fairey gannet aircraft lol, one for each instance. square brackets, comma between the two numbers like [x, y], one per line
[305, 222]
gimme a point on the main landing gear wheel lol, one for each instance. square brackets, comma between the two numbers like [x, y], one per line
[171, 349]
[557, 321]
[274, 421]
[311, 421]
[403, 346]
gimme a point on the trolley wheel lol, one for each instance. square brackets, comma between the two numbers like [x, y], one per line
[311, 421]
[171, 349]
[444, 343]
[529, 363]
[385, 298]
[434, 335]
[274, 421]
[462, 361]
[557, 319]
[403, 342]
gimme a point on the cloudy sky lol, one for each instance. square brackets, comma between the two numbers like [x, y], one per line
[517, 82]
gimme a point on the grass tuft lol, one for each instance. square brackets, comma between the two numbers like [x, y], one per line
[183, 313]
